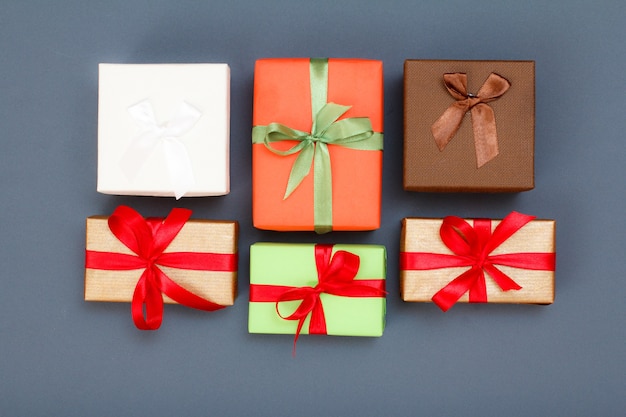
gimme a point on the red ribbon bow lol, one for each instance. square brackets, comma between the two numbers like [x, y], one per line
[472, 246]
[148, 239]
[483, 117]
[335, 275]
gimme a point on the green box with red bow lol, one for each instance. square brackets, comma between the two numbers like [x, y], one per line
[317, 289]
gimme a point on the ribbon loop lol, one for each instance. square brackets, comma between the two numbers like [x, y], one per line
[148, 239]
[483, 117]
[325, 118]
[152, 134]
[493, 88]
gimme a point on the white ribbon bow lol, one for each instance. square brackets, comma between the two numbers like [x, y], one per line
[167, 134]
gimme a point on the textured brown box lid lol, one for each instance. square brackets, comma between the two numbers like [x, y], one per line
[195, 236]
[422, 235]
[454, 169]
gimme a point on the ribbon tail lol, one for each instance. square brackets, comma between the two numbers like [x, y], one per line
[503, 280]
[300, 169]
[178, 166]
[185, 297]
[297, 336]
[450, 294]
[317, 325]
[147, 294]
[485, 135]
[137, 153]
[478, 290]
[446, 126]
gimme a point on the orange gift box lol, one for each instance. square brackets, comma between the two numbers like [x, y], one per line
[282, 94]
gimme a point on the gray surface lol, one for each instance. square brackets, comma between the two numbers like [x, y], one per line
[62, 356]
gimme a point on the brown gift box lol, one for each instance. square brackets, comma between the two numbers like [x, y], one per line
[195, 236]
[454, 169]
[422, 235]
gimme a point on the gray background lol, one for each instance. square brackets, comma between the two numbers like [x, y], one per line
[62, 356]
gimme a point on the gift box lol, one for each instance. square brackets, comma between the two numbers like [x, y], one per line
[317, 289]
[451, 259]
[469, 126]
[163, 129]
[151, 261]
[317, 144]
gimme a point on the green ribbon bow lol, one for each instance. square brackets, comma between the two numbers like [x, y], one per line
[353, 133]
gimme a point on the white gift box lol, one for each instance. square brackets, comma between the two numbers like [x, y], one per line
[163, 129]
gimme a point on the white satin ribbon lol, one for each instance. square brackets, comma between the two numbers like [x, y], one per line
[167, 134]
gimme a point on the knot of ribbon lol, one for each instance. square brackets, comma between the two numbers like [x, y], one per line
[335, 276]
[483, 117]
[312, 149]
[148, 239]
[152, 134]
[472, 246]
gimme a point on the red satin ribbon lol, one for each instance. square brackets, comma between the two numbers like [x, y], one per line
[483, 117]
[335, 275]
[472, 247]
[148, 239]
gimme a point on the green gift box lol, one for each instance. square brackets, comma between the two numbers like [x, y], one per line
[317, 289]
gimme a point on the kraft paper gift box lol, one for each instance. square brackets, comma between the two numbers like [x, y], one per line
[285, 276]
[491, 103]
[200, 256]
[466, 259]
[163, 129]
[339, 162]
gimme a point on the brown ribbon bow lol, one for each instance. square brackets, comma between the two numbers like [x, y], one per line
[483, 117]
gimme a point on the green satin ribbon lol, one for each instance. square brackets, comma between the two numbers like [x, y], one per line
[353, 133]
